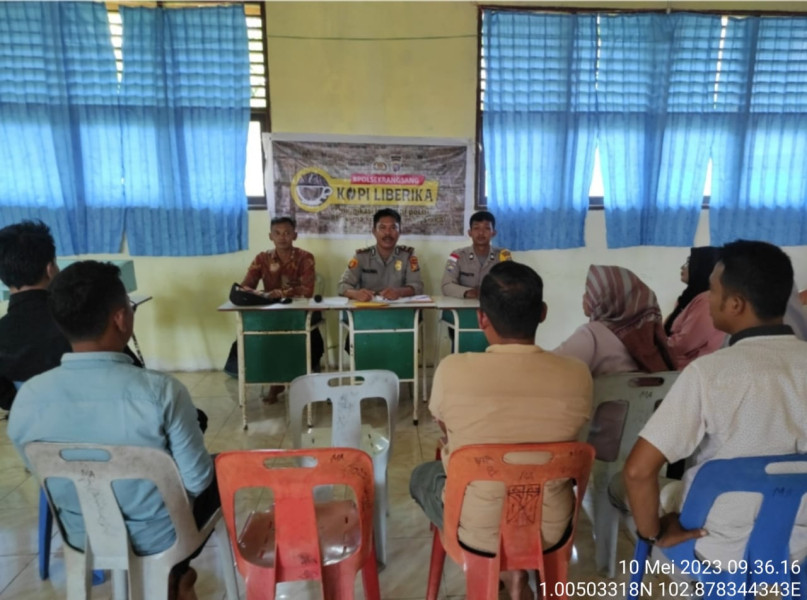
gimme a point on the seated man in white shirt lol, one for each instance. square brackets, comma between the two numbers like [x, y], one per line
[749, 399]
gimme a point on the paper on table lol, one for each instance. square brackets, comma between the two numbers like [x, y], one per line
[330, 301]
[418, 298]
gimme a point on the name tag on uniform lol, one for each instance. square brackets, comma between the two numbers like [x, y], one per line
[369, 270]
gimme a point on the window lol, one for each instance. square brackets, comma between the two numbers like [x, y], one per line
[260, 119]
[676, 108]
[259, 102]
[596, 190]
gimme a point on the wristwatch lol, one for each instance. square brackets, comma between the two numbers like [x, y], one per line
[650, 540]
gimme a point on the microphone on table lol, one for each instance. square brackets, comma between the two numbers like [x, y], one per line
[317, 297]
[285, 300]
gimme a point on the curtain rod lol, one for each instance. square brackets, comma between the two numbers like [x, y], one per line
[668, 9]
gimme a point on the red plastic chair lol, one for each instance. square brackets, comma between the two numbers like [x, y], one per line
[520, 529]
[296, 539]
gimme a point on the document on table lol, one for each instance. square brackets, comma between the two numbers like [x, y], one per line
[405, 300]
[330, 301]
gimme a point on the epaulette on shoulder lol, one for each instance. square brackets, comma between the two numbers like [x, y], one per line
[408, 249]
[364, 250]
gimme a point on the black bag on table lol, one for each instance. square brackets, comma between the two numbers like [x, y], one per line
[242, 297]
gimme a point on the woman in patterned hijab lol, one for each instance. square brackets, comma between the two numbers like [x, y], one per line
[624, 331]
[622, 302]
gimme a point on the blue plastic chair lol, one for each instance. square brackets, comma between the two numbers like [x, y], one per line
[770, 536]
[45, 534]
[45, 526]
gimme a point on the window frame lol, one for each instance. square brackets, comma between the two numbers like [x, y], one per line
[595, 202]
[260, 115]
[263, 116]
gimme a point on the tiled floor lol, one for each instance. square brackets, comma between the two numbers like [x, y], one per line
[215, 393]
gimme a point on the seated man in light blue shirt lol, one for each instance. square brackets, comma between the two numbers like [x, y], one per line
[98, 396]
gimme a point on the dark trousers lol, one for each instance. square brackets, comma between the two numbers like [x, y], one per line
[317, 350]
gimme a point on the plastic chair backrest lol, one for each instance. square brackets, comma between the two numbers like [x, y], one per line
[297, 551]
[345, 391]
[782, 488]
[520, 527]
[93, 477]
[623, 403]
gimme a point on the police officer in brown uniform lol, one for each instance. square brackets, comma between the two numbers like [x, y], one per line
[466, 267]
[386, 269]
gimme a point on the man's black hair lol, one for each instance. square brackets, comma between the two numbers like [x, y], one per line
[512, 296]
[759, 272]
[482, 216]
[386, 212]
[281, 220]
[26, 249]
[82, 297]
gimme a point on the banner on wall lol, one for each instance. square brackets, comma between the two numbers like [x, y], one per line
[332, 185]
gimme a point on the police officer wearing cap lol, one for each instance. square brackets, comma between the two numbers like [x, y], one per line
[466, 267]
[386, 269]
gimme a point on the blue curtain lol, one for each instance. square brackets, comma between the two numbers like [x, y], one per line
[185, 101]
[655, 104]
[759, 188]
[632, 78]
[538, 128]
[60, 154]
[689, 132]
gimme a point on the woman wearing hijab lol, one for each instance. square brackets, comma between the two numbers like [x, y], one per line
[689, 328]
[624, 332]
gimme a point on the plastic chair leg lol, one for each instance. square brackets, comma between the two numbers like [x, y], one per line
[78, 575]
[225, 552]
[148, 579]
[369, 577]
[337, 583]
[556, 570]
[640, 556]
[481, 577]
[45, 539]
[435, 566]
[380, 521]
[45, 535]
[606, 528]
[260, 586]
[120, 585]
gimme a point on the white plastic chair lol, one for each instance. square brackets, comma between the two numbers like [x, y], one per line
[346, 391]
[623, 403]
[107, 541]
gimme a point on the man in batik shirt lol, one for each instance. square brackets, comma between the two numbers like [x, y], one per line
[286, 272]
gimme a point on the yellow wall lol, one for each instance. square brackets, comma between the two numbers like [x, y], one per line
[403, 87]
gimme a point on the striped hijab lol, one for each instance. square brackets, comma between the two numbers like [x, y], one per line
[621, 301]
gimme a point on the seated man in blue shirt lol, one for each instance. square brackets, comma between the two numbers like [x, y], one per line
[98, 396]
